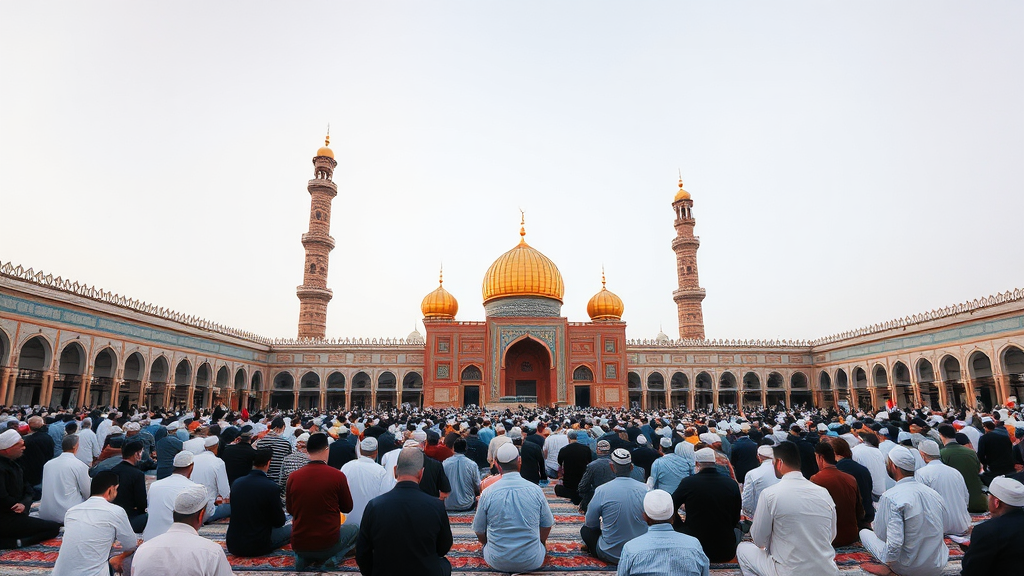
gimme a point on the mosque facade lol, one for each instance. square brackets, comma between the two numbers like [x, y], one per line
[68, 344]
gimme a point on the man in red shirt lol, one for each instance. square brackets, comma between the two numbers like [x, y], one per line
[844, 491]
[315, 496]
[435, 449]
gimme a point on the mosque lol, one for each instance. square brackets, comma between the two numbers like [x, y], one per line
[65, 343]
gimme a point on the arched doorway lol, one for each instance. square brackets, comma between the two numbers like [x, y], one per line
[679, 387]
[471, 378]
[201, 394]
[102, 385]
[842, 386]
[881, 381]
[34, 359]
[159, 376]
[901, 381]
[926, 383]
[751, 389]
[825, 385]
[255, 387]
[635, 389]
[727, 389]
[1013, 371]
[335, 391]
[582, 378]
[799, 392]
[956, 392]
[309, 391]
[980, 367]
[655, 391]
[283, 394]
[703, 393]
[361, 390]
[182, 379]
[528, 373]
[412, 389]
[69, 376]
[133, 375]
[387, 391]
[775, 393]
[860, 387]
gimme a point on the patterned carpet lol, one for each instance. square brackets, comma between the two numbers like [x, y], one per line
[564, 555]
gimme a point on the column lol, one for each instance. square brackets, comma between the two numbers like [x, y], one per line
[668, 397]
[691, 398]
[915, 388]
[115, 392]
[84, 388]
[295, 399]
[348, 395]
[168, 394]
[941, 386]
[1002, 388]
[373, 397]
[5, 377]
[764, 396]
[972, 401]
[141, 400]
[265, 398]
[643, 398]
[189, 396]
[714, 398]
[207, 398]
[46, 389]
[323, 400]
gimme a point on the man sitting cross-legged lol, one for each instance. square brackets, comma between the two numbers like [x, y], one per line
[615, 515]
[662, 550]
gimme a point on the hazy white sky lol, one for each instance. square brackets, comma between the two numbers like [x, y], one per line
[849, 162]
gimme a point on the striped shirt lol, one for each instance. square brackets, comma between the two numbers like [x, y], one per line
[280, 447]
[661, 551]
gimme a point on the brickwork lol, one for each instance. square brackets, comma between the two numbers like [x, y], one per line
[689, 296]
[314, 295]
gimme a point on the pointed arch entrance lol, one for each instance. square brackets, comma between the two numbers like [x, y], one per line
[527, 370]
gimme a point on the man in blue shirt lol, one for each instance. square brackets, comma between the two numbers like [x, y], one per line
[662, 550]
[513, 519]
[618, 507]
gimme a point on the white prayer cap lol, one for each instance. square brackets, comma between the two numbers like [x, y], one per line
[902, 457]
[822, 427]
[342, 430]
[499, 427]
[173, 426]
[903, 436]
[680, 427]
[506, 453]
[9, 438]
[87, 419]
[115, 430]
[658, 505]
[666, 442]
[621, 456]
[882, 416]
[986, 419]
[183, 459]
[515, 432]
[132, 427]
[410, 443]
[641, 440]
[211, 441]
[928, 447]
[1008, 490]
[710, 438]
[705, 456]
[191, 499]
[369, 444]
[304, 437]
[419, 436]
[464, 426]
[884, 431]
[766, 451]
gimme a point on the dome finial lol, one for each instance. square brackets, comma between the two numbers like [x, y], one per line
[602, 278]
[327, 139]
[440, 275]
[681, 194]
[522, 226]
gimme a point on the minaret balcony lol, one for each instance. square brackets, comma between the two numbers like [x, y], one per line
[311, 293]
[314, 238]
[690, 294]
[686, 242]
[322, 185]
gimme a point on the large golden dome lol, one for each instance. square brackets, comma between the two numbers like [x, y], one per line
[605, 305]
[440, 303]
[523, 271]
[324, 150]
[682, 194]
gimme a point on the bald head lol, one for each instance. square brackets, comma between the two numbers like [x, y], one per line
[410, 464]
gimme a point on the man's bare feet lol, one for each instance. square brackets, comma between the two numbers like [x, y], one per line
[878, 569]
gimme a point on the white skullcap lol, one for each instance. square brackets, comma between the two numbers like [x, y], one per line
[666, 442]
[1007, 490]
[710, 438]
[621, 456]
[902, 457]
[183, 459]
[822, 427]
[464, 426]
[173, 426]
[658, 505]
[419, 436]
[986, 419]
[211, 441]
[884, 431]
[903, 436]
[191, 499]
[115, 430]
[369, 444]
[683, 449]
[506, 453]
[304, 437]
[705, 456]
[641, 440]
[515, 432]
[132, 427]
[882, 416]
[9, 438]
[928, 447]
[410, 443]
[766, 451]
[680, 427]
[342, 430]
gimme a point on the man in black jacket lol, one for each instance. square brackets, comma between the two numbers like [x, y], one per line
[38, 451]
[712, 501]
[406, 510]
[573, 458]
[808, 466]
[17, 528]
[995, 544]
[644, 456]
[238, 457]
[995, 451]
[343, 450]
[533, 468]
[476, 450]
[744, 454]
[131, 489]
[257, 524]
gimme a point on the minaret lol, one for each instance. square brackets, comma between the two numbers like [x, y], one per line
[689, 296]
[314, 295]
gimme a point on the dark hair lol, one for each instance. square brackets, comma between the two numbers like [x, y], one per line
[277, 423]
[869, 438]
[316, 443]
[841, 448]
[947, 431]
[103, 480]
[788, 454]
[459, 446]
[68, 443]
[262, 457]
[130, 448]
[826, 451]
[989, 426]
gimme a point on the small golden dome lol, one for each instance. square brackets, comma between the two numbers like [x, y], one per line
[440, 303]
[605, 305]
[324, 150]
[682, 194]
[523, 271]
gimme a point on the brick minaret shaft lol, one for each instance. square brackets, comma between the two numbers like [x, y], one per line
[689, 296]
[314, 295]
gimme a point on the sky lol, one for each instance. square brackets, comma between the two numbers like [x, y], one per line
[849, 162]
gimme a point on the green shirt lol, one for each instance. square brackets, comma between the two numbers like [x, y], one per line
[967, 464]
